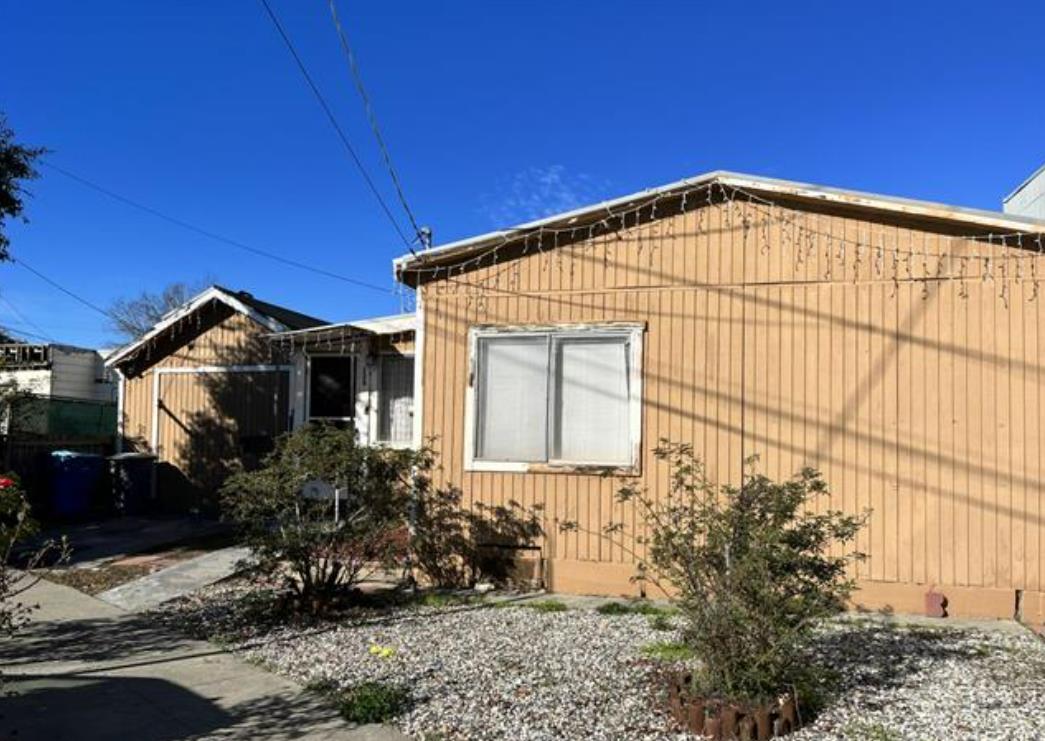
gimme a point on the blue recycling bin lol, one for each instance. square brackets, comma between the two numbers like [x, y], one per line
[74, 479]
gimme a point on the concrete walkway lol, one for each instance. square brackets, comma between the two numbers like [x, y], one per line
[95, 543]
[86, 670]
[175, 581]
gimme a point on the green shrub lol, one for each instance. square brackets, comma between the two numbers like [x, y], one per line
[752, 569]
[373, 702]
[321, 549]
[613, 608]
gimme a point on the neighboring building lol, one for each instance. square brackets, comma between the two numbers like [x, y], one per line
[56, 371]
[896, 345]
[204, 388]
[72, 397]
[359, 373]
[1029, 198]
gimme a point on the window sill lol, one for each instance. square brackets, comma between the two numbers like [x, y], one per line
[581, 469]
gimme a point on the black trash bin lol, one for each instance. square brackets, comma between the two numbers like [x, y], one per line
[133, 482]
[75, 478]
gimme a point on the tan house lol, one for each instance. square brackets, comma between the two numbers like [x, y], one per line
[896, 345]
[205, 388]
[358, 373]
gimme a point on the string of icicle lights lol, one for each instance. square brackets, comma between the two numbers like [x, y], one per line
[806, 243]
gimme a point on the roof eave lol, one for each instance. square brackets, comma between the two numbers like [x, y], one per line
[794, 189]
[173, 316]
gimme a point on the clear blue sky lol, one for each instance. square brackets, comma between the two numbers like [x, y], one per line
[494, 112]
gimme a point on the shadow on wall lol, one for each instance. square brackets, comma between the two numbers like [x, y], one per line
[212, 424]
[238, 426]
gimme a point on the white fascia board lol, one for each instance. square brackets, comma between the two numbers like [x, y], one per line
[977, 218]
[210, 294]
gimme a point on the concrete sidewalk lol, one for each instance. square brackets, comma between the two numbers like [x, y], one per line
[175, 581]
[86, 670]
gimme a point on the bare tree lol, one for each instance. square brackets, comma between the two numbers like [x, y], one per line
[130, 318]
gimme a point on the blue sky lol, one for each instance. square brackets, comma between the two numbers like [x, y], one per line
[494, 112]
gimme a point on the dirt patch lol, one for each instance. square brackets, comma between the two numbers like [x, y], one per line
[124, 569]
[101, 579]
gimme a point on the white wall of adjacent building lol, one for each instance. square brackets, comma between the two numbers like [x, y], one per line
[1029, 198]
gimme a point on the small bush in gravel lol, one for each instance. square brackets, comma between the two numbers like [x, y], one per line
[752, 569]
[320, 546]
[373, 702]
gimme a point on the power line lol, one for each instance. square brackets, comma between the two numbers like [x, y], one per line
[23, 333]
[63, 289]
[333, 122]
[372, 119]
[25, 319]
[213, 235]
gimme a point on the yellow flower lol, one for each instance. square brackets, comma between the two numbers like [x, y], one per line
[385, 652]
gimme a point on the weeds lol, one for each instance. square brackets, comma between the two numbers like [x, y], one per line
[668, 651]
[661, 622]
[637, 607]
[546, 605]
[373, 702]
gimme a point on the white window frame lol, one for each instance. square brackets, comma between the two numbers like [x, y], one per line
[378, 401]
[633, 332]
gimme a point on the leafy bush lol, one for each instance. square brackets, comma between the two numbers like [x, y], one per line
[322, 547]
[17, 528]
[751, 570]
[456, 546]
[373, 702]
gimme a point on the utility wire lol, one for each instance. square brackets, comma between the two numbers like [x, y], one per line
[333, 122]
[213, 235]
[25, 319]
[23, 333]
[63, 289]
[357, 77]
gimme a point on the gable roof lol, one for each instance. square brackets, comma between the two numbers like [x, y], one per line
[977, 219]
[274, 318]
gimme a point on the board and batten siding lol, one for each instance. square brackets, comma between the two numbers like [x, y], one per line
[919, 398]
[198, 407]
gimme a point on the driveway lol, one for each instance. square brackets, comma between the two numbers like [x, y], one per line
[85, 670]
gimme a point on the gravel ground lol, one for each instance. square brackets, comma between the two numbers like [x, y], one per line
[477, 672]
[914, 682]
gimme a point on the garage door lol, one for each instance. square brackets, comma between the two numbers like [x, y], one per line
[209, 420]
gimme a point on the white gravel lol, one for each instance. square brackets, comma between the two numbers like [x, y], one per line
[916, 682]
[515, 673]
